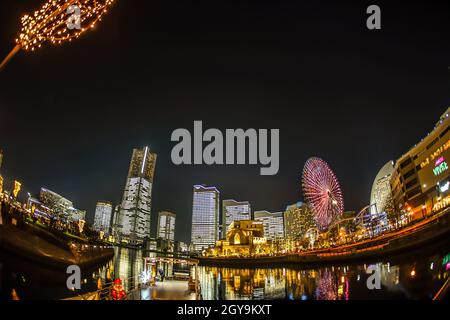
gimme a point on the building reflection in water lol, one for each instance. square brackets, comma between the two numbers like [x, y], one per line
[326, 285]
[417, 280]
[127, 265]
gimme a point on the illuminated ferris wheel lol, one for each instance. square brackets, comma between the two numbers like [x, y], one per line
[322, 192]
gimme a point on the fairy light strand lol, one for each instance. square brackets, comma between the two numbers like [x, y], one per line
[49, 23]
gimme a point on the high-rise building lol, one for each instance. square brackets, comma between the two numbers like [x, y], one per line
[102, 217]
[233, 210]
[273, 224]
[115, 221]
[1, 158]
[420, 182]
[381, 189]
[166, 225]
[205, 217]
[298, 219]
[133, 223]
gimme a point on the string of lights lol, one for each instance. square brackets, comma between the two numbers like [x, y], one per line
[50, 23]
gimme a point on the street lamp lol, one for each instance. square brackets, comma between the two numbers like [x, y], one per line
[29, 200]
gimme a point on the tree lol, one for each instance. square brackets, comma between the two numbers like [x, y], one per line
[391, 212]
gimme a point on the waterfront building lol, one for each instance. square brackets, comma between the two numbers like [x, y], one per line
[205, 217]
[102, 217]
[38, 208]
[133, 221]
[298, 219]
[181, 246]
[166, 225]
[233, 210]
[164, 245]
[381, 189]
[60, 206]
[244, 238]
[54, 201]
[151, 245]
[76, 214]
[421, 178]
[273, 223]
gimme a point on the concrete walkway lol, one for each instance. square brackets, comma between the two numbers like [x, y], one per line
[167, 290]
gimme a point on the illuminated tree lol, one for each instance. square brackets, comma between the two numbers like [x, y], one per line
[58, 21]
[391, 212]
[17, 187]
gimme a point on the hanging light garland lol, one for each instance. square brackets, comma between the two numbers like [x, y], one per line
[51, 23]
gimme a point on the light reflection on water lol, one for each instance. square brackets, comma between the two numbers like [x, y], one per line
[420, 279]
[417, 277]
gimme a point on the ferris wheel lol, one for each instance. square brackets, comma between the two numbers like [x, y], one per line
[322, 192]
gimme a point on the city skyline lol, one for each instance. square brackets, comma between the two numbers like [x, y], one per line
[259, 153]
[138, 165]
[353, 97]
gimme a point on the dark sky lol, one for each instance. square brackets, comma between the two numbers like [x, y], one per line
[71, 114]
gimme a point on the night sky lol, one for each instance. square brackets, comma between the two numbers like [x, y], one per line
[71, 114]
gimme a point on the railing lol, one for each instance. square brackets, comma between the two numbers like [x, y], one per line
[105, 292]
[440, 295]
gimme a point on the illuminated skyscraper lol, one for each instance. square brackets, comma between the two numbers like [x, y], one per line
[205, 217]
[102, 218]
[115, 219]
[381, 189]
[298, 218]
[232, 211]
[133, 222]
[273, 224]
[166, 225]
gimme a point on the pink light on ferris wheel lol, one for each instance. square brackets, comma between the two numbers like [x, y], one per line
[322, 192]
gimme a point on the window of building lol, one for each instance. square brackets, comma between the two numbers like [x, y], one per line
[409, 174]
[444, 132]
[432, 143]
[413, 192]
[405, 163]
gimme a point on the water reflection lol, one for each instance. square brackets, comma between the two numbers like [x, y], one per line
[128, 266]
[415, 280]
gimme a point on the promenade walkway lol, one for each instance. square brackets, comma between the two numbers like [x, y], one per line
[167, 290]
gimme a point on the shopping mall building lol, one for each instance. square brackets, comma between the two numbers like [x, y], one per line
[421, 178]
